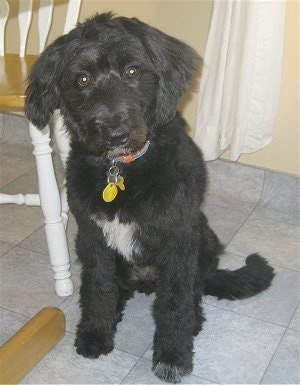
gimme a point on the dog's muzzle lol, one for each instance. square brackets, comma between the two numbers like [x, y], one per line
[111, 133]
[115, 134]
[116, 140]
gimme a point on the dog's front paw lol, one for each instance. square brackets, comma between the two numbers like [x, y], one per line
[169, 373]
[92, 345]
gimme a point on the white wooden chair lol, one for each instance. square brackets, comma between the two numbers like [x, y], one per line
[14, 70]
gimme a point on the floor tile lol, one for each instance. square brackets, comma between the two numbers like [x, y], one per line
[27, 283]
[285, 365]
[135, 332]
[224, 222]
[22, 150]
[5, 247]
[12, 168]
[242, 341]
[18, 222]
[278, 242]
[16, 129]
[234, 349]
[295, 321]
[64, 366]
[10, 323]
[27, 183]
[276, 305]
[71, 235]
[71, 310]
[280, 200]
[1, 124]
[58, 168]
[148, 353]
[37, 240]
[142, 374]
[234, 186]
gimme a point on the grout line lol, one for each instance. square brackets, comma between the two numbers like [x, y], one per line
[123, 381]
[253, 209]
[29, 235]
[292, 316]
[273, 355]
[6, 252]
[140, 358]
[262, 191]
[239, 228]
[46, 263]
[248, 165]
[15, 312]
[65, 299]
[244, 315]
[243, 256]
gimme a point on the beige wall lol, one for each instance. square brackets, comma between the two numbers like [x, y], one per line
[189, 21]
[184, 19]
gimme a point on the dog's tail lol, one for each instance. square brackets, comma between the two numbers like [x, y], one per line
[245, 282]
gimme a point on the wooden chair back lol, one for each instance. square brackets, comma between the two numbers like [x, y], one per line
[14, 68]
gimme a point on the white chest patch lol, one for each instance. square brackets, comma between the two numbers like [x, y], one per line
[119, 236]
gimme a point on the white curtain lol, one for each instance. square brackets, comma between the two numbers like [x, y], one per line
[240, 82]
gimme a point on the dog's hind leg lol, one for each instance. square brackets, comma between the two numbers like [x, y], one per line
[199, 317]
[209, 248]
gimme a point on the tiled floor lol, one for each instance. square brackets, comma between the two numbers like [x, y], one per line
[247, 342]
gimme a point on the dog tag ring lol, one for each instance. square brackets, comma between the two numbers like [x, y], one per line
[113, 174]
[114, 181]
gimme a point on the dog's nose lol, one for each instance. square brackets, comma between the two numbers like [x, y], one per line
[117, 139]
[116, 132]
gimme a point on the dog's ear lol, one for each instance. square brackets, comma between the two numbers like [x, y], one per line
[175, 63]
[42, 93]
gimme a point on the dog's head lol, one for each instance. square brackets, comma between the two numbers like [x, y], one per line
[113, 78]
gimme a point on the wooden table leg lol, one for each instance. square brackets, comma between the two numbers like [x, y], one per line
[30, 344]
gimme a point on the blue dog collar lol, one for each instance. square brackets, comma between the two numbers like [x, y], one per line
[132, 157]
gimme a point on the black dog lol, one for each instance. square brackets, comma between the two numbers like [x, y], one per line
[135, 183]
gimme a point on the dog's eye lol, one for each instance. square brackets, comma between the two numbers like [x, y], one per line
[132, 72]
[83, 80]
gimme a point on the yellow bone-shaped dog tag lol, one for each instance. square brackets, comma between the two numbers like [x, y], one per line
[120, 183]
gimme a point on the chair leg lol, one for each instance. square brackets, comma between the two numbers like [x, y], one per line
[62, 142]
[51, 207]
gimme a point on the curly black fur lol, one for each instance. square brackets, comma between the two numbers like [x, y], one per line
[117, 82]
